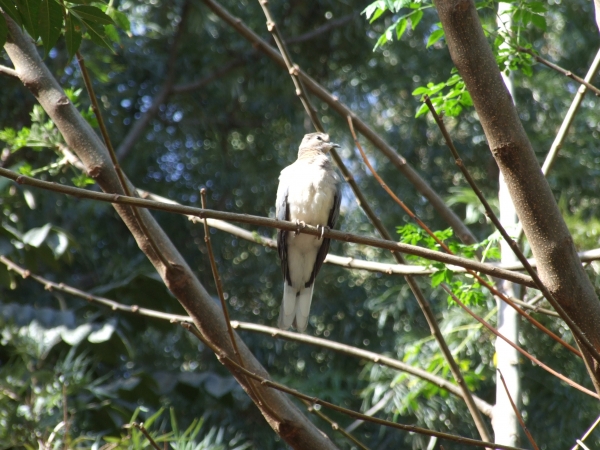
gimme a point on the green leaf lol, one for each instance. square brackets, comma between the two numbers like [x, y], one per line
[82, 180]
[120, 19]
[112, 33]
[434, 37]
[401, 27]
[91, 14]
[441, 276]
[50, 23]
[415, 18]
[97, 34]
[539, 21]
[424, 109]
[29, 10]
[3, 30]
[72, 35]
[10, 8]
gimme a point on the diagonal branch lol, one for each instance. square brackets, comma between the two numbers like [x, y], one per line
[232, 365]
[290, 423]
[460, 229]
[421, 300]
[488, 269]
[343, 349]
[559, 267]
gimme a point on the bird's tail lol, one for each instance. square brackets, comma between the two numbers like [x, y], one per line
[295, 305]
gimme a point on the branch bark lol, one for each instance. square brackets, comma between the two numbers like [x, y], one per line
[460, 229]
[558, 264]
[287, 421]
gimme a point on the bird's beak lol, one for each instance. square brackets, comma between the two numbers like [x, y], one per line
[334, 145]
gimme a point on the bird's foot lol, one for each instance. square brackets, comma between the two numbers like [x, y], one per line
[322, 227]
[300, 224]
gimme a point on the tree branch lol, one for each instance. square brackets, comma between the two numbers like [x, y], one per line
[460, 229]
[290, 424]
[276, 333]
[8, 72]
[558, 265]
[119, 199]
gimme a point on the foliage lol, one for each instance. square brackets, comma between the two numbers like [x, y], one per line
[233, 137]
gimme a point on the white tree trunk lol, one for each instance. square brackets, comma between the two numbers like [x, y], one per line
[505, 422]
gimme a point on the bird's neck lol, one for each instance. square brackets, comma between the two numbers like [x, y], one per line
[309, 153]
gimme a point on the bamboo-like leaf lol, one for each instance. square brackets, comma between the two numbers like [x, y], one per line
[72, 35]
[10, 8]
[29, 10]
[50, 23]
[91, 14]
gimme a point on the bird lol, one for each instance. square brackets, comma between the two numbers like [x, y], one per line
[309, 192]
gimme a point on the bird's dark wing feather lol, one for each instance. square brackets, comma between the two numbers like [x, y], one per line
[333, 216]
[283, 213]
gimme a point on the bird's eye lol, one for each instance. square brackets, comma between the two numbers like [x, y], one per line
[319, 138]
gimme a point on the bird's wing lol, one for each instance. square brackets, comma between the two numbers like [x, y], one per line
[324, 249]
[282, 212]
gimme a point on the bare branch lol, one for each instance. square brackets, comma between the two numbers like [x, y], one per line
[8, 72]
[486, 268]
[559, 69]
[551, 243]
[515, 249]
[568, 120]
[517, 413]
[398, 161]
[344, 349]
[290, 423]
[232, 365]
[519, 349]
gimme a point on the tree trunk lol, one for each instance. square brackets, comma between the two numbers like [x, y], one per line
[559, 266]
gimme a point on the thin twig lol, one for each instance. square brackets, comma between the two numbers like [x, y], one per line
[9, 71]
[513, 245]
[294, 72]
[232, 365]
[587, 433]
[111, 151]
[142, 428]
[568, 120]
[319, 91]
[334, 425]
[519, 349]
[218, 283]
[517, 413]
[559, 69]
[65, 416]
[488, 269]
[220, 293]
[487, 285]
[343, 349]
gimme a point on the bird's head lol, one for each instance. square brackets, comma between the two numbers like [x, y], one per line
[316, 142]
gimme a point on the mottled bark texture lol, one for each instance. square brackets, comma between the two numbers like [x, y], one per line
[559, 266]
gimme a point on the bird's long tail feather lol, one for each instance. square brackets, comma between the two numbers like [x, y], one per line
[288, 307]
[303, 301]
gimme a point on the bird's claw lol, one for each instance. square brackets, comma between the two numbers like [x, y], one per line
[322, 227]
[300, 224]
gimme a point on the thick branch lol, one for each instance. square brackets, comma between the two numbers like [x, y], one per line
[414, 250]
[558, 265]
[289, 422]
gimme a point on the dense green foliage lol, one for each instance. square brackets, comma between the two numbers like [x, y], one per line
[233, 136]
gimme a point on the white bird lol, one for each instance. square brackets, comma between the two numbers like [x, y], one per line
[309, 192]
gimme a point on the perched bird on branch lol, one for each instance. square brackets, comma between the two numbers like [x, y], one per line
[309, 192]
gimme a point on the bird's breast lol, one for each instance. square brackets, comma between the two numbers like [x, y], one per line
[311, 196]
